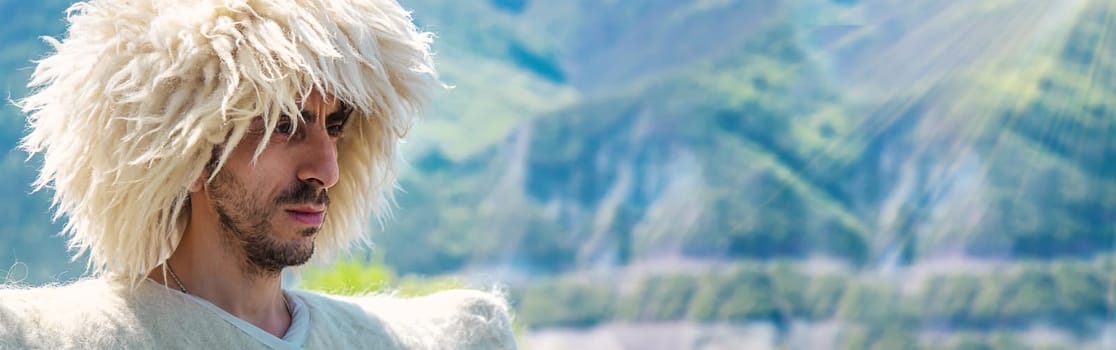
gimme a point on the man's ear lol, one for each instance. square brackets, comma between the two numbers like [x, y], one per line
[199, 183]
[207, 171]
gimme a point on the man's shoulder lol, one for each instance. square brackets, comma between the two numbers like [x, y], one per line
[78, 296]
[482, 320]
[62, 316]
[459, 318]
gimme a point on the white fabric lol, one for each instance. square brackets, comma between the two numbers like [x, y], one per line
[102, 314]
[293, 339]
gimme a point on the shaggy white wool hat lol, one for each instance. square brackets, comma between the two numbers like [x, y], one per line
[129, 108]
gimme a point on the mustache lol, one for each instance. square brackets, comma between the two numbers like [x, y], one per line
[303, 193]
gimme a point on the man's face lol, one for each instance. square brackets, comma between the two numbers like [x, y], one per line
[271, 211]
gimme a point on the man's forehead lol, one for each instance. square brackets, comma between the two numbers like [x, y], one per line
[319, 104]
[310, 110]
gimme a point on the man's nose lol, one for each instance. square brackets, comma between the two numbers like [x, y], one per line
[319, 158]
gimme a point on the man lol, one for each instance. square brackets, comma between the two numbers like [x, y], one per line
[198, 148]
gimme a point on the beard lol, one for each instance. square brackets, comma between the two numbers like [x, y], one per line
[246, 225]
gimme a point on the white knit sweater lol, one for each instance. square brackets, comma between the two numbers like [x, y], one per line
[104, 314]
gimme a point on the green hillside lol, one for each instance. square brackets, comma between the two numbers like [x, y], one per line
[919, 173]
[782, 163]
[774, 152]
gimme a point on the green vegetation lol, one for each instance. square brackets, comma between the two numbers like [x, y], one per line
[584, 134]
[357, 277]
[877, 312]
[347, 278]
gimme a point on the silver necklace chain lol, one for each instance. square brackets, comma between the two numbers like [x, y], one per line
[175, 277]
[184, 291]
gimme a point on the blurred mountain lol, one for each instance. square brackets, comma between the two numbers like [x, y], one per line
[947, 142]
[924, 139]
[749, 130]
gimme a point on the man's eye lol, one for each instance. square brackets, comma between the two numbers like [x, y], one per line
[284, 126]
[336, 130]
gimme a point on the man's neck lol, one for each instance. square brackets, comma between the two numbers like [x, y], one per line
[215, 273]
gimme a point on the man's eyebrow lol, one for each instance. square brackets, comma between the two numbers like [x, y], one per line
[340, 115]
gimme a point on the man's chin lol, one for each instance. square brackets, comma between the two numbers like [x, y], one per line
[276, 257]
[301, 256]
[309, 232]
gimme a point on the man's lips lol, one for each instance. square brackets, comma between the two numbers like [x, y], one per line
[307, 216]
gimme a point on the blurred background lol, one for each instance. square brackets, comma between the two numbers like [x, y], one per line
[730, 174]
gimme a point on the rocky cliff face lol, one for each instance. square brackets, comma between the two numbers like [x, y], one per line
[874, 133]
[960, 151]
